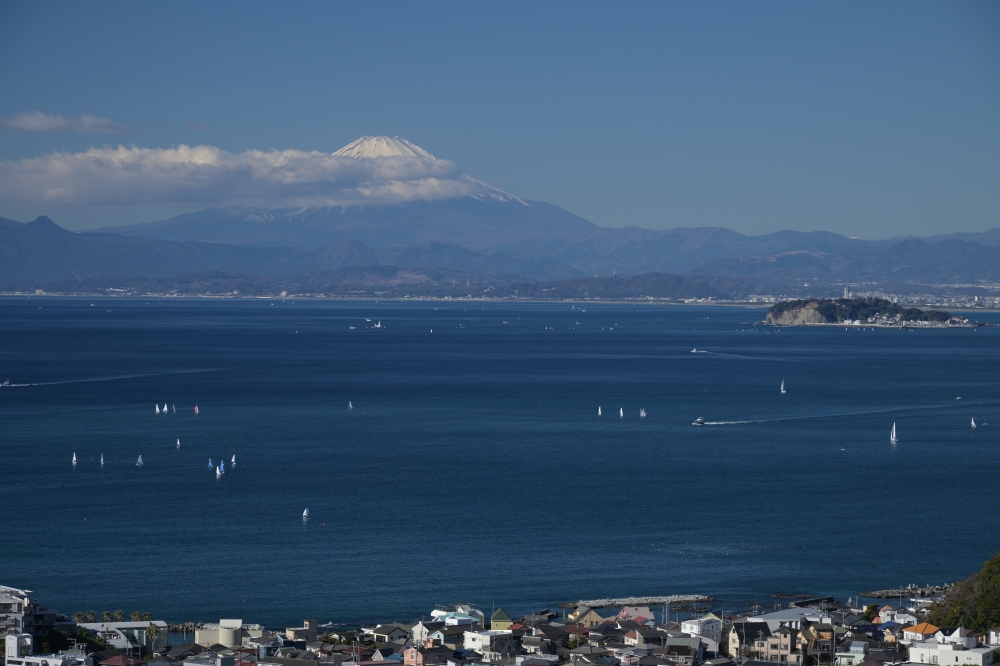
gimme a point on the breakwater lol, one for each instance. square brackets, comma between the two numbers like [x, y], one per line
[642, 601]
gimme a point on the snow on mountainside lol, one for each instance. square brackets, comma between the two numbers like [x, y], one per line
[382, 146]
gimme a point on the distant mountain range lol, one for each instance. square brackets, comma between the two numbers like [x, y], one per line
[489, 232]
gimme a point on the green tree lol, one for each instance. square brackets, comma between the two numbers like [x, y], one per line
[147, 616]
[973, 603]
[91, 616]
[78, 617]
[871, 610]
[106, 616]
[119, 615]
[135, 616]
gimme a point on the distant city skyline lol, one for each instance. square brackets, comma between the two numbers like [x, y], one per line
[867, 120]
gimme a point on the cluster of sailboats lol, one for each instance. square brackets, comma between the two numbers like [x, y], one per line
[621, 412]
[166, 410]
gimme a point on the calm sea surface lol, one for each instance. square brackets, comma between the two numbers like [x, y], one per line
[474, 466]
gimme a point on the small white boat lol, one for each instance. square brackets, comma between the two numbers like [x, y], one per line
[379, 324]
[175, 408]
[196, 409]
[642, 413]
[782, 386]
[694, 351]
[102, 460]
[178, 443]
[6, 383]
[973, 425]
[164, 408]
[305, 515]
[351, 327]
[366, 319]
[892, 436]
[138, 463]
[233, 461]
[218, 472]
[621, 412]
[157, 408]
[598, 410]
[74, 457]
[350, 405]
[699, 421]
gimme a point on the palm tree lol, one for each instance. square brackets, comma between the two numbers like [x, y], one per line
[135, 616]
[106, 616]
[147, 616]
[78, 617]
[91, 616]
[119, 616]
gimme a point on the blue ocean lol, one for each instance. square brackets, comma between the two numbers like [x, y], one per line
[474, 466]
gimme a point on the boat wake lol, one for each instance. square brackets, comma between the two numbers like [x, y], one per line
[114, 378]
[831, 415]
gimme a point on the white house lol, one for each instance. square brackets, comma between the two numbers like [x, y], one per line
[950, 654]
[793, 618]
[494, 645]
[17, 651]
[150, 634]
[709, 626]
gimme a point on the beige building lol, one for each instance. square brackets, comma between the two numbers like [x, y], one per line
[231, 633]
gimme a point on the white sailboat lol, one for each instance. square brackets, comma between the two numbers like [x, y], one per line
[305, 514]
[196, 409]
[218, 472]
[157, 408]
[178, 443]
[210, 465]
[222, 466]
[621, 412]
[642, 413]
[973, 421]
[233, 461]
[598, 410]
[138, 463]
[892, 436]
[102, 460]
[350, 405]
[175, 408]
[164, 408]
[379, 324]
[74, 457]
[782, 386]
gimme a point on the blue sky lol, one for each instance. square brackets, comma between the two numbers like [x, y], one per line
[868, 119]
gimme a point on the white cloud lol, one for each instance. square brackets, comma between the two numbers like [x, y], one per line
[36, 121]
[206, 175]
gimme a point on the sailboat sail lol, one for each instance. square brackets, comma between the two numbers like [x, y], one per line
[138, 463]
[598, 410]
[892, 436]
[350, 405]
[210, 465]
[74, 457]
[305, 514]
[157, 408]
[642, 413]
[178, 443]
[973, 421]
[218, 472]
[102, 460]
[782, 385]
[233, 461]
[196, 409]
[621, 412]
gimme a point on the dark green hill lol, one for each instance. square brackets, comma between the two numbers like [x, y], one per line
[974, 603]
[830, 311]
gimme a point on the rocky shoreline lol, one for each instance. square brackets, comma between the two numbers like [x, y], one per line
[910, 590]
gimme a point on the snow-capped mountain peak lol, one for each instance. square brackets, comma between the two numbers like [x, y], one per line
[382, 146]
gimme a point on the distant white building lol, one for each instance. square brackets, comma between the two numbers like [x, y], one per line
[494, 645]
[793, 618]
[20, 614]
[950, 654]
[231, 633]
[18, 648]
[149, 634]
[708, 626]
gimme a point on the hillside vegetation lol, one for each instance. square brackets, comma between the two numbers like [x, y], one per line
[974, 603]
[827, 311]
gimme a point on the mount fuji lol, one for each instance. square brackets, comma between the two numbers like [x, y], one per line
[480, 218]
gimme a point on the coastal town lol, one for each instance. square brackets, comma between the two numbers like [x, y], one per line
[661, 631]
